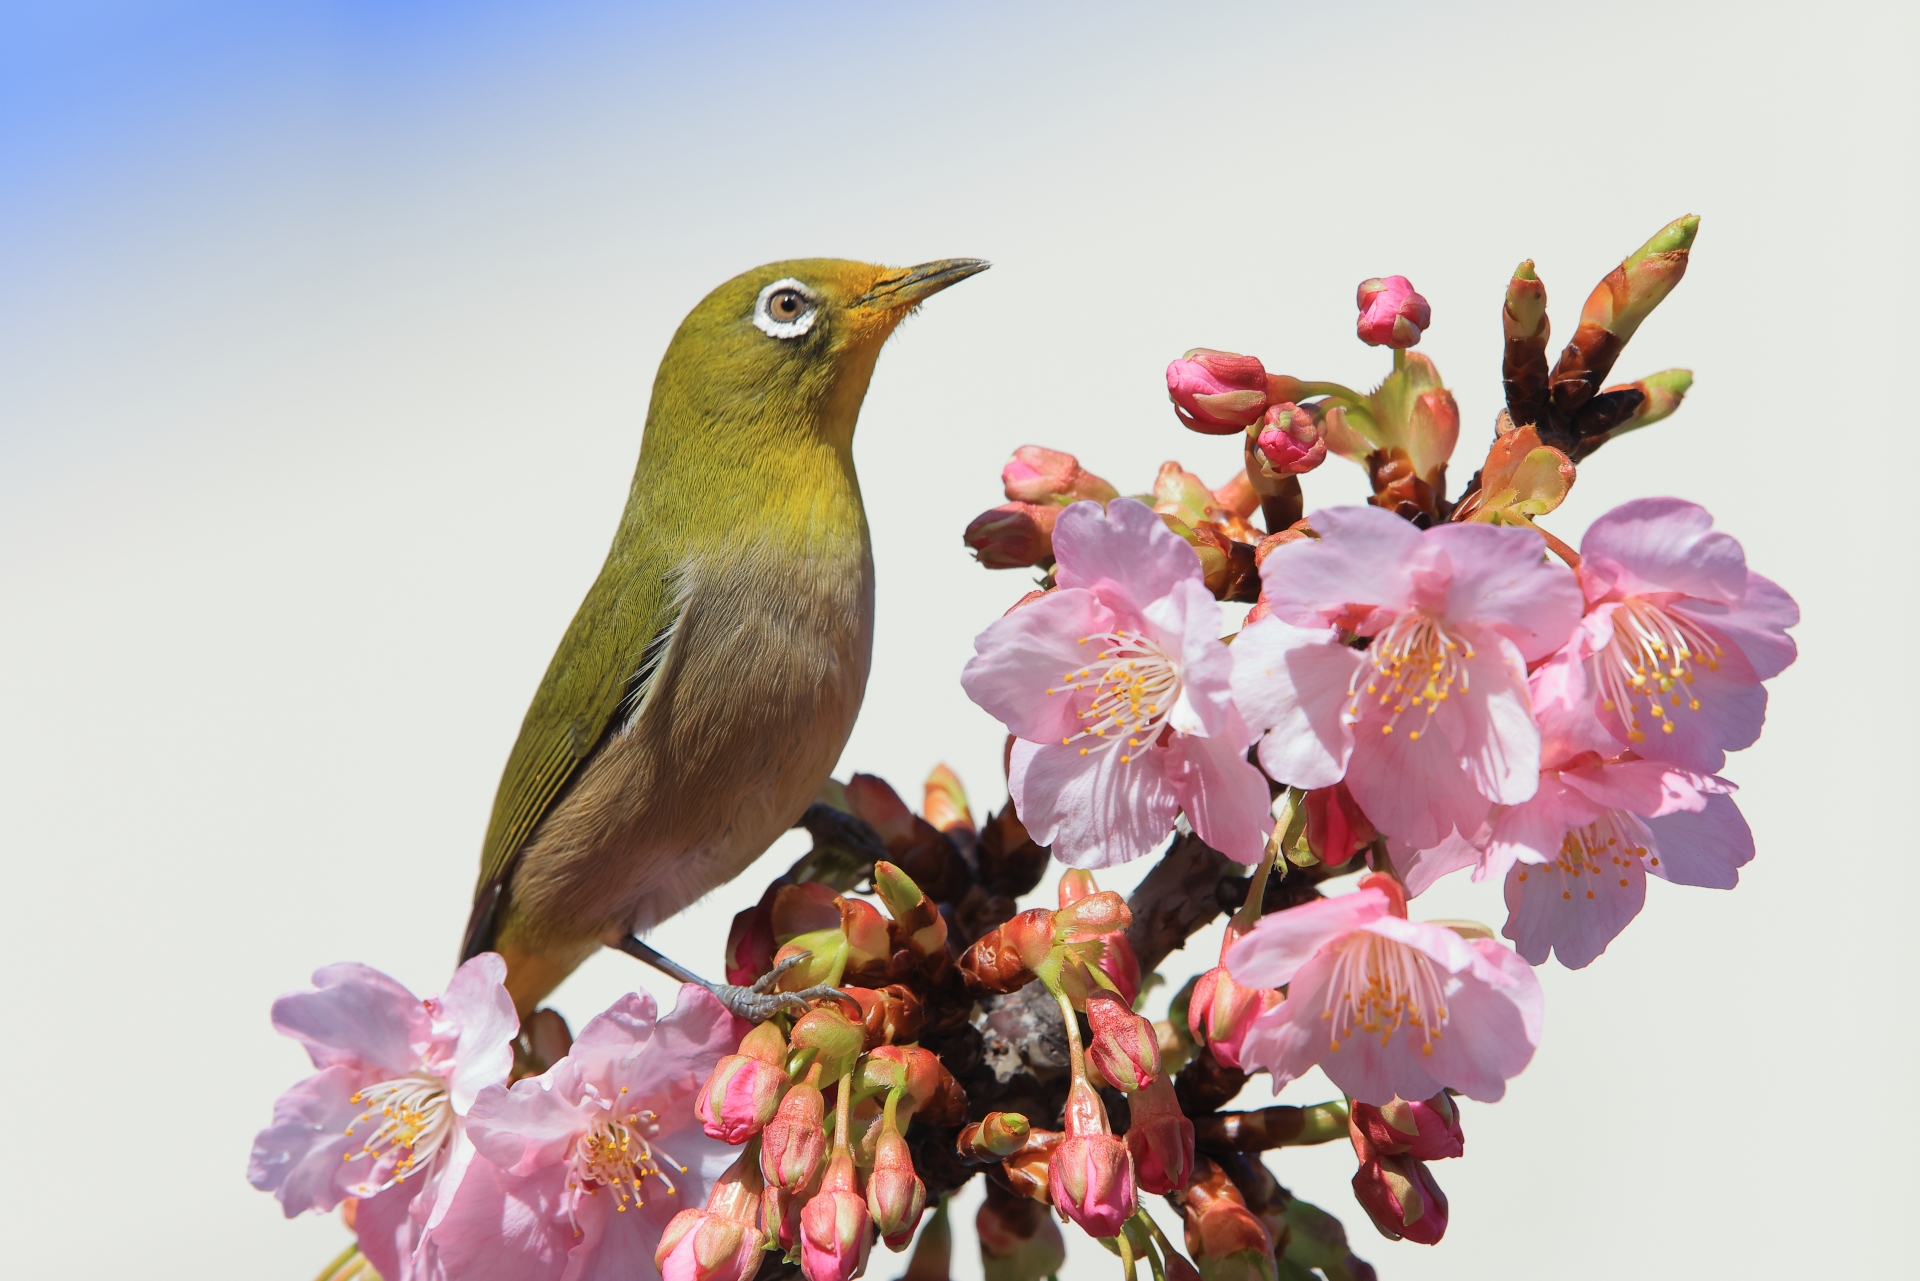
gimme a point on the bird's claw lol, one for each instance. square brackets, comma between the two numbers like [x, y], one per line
[765, 982]
[757, 1007]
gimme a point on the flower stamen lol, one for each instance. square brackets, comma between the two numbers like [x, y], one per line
[1379, 986]
[617, 1154]
[1416, 662]
[1134, 686]
[1648, 663]
[415, 1119]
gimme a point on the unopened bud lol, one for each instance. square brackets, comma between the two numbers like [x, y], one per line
[1216, 392]
[1038, 475]
[921, 926]
[891, 1015]
[1076, 883]
[1013, 535]
[1095, 916]
[795, 1141]
[1427, 1130]
[945, 802]
[995, 1137]
[1226, 1239]
[699, 1246]
[750, 945]
[1400, 1196]
[739, 1098]
[1121, 966]
[896, 1196]
[1180, 494]
[1660, 395]
[823, 963]
[1160, 1137]
[1391, 313]
[869, 943]
[834, 1226]
[1222, 1013]
[1090, 1180]
[834, 1039]
[1124, 1050]
[1004, 959]
[1337, 828]
[1290, 442]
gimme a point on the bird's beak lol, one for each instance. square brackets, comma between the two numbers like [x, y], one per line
[907, 289]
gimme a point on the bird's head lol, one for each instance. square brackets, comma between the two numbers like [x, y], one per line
[791, 345]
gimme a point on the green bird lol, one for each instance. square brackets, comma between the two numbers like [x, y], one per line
[710, 679]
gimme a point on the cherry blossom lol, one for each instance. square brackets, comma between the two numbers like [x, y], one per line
[1117, 688]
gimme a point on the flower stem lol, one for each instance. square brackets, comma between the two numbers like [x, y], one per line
[1076, 1056]
[1126, 1256]
[843, 1112]
[1243, 920]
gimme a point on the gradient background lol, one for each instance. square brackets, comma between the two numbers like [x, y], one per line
[326, 332]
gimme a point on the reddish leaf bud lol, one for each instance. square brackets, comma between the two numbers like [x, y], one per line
[1402, 1199]
[997, 1136]
[1290, 442]
[891, 1015]
[1216, 392]
[1391, 313]
[1013, 535]
[1161, 1139]
[922, 928]
[1124, 1049]
[1426, 1131]
[795, 1141]
[1095, 916]
[1037, 475]
[1337, 828]
[944, 802]
[1090, 1180]
[1004, 958]
[895, 1194]
[1076, 883]
[869, 944]
[805, 908]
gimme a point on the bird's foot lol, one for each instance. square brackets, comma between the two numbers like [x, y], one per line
[755, 1004]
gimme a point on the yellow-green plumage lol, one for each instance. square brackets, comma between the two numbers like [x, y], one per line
[709, 680]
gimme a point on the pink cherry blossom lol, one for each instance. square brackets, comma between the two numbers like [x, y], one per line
[1386, 1006]
[1117, 688]
[382, 1119]
[1430, 723]
[580, 1168]
[1679, 633]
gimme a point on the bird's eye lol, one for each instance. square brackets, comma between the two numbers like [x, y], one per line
[785, 309]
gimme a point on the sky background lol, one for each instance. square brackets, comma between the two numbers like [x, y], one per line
[326, 334]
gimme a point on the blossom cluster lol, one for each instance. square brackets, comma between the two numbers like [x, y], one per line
[1394, 691]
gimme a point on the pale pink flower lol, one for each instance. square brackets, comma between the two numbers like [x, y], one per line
[582, 1166]
[382, 1119]
[1430, 723]
[1386, 1006]
[1117, 688]
[1679, 633]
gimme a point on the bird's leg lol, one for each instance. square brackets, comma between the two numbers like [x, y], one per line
[755, 1004]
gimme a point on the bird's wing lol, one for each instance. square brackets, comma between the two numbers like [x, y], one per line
[597, 681]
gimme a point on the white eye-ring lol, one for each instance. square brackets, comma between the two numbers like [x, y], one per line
[785, 309]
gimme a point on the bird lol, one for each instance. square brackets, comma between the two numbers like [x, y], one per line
[708, 682]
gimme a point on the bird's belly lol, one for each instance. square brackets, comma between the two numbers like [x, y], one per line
[748, 715]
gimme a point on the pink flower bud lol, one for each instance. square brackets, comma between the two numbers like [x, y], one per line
[795, 1141]
[1426, 1131]
[1039, 475]
[1013, 535]
[1090, 1180]
[701, 1246]
[835, 1229]
[1400, 1196]
[1290, 442]
[1119, 963]
[1216, 392]
[1160, 1137]
[1221, 1013]
[1125, 1049]
[895, 1195]
[1228, 1242]
[739, 1098]
[1391, 314]
[1337, 828]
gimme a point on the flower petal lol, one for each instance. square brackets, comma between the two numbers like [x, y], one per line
[1282, 943]
[1758, 625]
[1653, 545]
[502, 1227]
[1502, 580]
[1094, 809]
[1420, 869]
[1362, 558]
[478, 1009]
[1532, 832]
[1707, 847]
[1290, 1038]
[1186, 623]
[1225, 798]
[1640, 787]
[1022, 656]
[1572, 914]
[357, 1015]
[1493, 1024]
[1491, 726]
[1414, 791]
[1294, 682]
[1126, 554]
